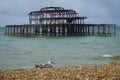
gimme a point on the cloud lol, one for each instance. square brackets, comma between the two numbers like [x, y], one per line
[13, 20]
[20, 7]
[97, 11]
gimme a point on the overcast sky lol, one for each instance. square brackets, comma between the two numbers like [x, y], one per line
[97, 11]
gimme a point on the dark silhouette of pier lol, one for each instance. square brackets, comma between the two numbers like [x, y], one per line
[57, 21]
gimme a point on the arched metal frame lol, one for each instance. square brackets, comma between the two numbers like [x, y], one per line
[55, 15]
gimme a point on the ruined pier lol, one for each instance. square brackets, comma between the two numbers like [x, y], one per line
[57, 21]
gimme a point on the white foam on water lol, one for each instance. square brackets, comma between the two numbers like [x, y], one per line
[107, 55]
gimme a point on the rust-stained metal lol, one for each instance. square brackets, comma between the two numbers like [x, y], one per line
[55, 15]
[58, 21]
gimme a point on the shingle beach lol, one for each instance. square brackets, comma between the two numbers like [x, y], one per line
[109, 71]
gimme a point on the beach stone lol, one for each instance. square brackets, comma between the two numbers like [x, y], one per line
[43, 66]
[110, 71]
[1, 78]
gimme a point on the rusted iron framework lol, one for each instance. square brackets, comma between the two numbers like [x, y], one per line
[58, 21]
[55, 15]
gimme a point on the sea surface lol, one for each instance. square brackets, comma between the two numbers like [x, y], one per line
[25, 52]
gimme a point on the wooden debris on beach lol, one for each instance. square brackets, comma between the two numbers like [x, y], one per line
[48, 65]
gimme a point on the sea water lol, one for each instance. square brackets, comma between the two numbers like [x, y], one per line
[25, 52]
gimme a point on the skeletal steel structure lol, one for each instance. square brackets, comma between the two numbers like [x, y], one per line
[58, 21]
[55, 15]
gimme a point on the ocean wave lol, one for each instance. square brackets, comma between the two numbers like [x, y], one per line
[107, 56]
[111, 56]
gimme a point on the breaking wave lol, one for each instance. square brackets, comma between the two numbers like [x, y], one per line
[111, 56]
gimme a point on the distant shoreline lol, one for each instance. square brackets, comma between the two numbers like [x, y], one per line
[109, 71]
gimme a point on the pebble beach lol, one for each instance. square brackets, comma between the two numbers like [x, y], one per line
[109, 71]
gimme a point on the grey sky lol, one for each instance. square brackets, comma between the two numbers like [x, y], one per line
[97, 11]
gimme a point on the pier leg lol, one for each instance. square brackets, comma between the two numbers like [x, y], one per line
[93, 30]
[114, 30]
[88, 30]
[50, 31]
[58, 30]
[63, 30]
